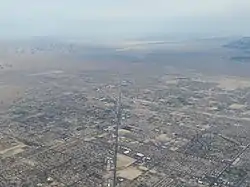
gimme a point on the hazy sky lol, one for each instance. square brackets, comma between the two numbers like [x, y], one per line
[123, 17]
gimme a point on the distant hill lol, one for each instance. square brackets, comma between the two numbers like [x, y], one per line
[242, 59]
[241, 44]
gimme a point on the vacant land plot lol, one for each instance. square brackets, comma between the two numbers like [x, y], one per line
[130, 173]
[232, 83]
[12, 150]
[124, 161]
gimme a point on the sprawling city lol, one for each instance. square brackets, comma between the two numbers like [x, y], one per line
[126, 93]
[138, 124]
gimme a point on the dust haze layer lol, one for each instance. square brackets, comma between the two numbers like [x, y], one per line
[96, 20]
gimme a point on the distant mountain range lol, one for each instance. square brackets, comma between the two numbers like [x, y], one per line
[242, 44]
